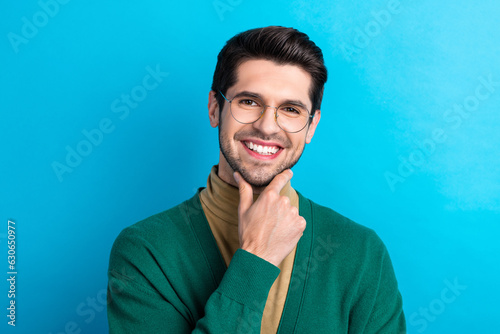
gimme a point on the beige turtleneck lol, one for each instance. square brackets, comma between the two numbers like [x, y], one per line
[220, 202]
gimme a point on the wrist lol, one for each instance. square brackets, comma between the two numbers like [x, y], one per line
[267, 257]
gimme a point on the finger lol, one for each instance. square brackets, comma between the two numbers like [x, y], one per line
[246, 193]
[280, 181]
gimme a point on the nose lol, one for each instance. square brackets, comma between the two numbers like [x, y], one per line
[267, 124]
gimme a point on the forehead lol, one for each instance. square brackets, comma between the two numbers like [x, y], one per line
[273, 81]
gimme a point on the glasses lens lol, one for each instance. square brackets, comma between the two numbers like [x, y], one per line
[248, 109]
[292, 118]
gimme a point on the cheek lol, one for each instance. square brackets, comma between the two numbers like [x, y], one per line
[228, 130]
[298, 141]
[225, 121]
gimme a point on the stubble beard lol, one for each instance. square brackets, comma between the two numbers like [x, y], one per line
[258, 177]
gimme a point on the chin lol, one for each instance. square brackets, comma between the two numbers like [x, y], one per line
[258, 182]
[259, 178]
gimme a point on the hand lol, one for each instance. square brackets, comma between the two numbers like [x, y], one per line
[271, 227]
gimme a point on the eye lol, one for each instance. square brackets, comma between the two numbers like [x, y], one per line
[248, 103]
[292, 110]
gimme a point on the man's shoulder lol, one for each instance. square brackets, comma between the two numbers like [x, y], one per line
[172, 223]
[327, 221]
[144, 250]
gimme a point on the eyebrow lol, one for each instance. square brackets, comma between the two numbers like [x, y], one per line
[257, 95]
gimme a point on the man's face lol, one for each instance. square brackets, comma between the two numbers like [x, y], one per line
[274, 84]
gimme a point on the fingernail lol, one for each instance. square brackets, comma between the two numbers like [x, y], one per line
[236, 177]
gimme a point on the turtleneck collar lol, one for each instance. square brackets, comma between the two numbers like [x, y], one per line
[222, 199]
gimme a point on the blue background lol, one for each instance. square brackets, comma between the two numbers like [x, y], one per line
[397, 75]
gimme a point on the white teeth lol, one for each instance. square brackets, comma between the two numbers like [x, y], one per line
[264, 150]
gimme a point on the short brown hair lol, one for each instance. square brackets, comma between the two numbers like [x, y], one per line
[279, 44]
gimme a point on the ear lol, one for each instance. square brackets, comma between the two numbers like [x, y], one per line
[213, 109]
[313, 125]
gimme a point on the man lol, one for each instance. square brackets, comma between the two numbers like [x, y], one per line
[249, 254]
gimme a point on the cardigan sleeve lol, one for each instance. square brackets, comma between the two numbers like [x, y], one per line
[238, 303]
[136, 303]
[379, 306]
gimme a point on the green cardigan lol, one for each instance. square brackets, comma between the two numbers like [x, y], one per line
[166, 275]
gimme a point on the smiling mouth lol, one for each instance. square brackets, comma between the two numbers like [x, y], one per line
[261, 149]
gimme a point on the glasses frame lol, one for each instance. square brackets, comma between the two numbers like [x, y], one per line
[265, 106]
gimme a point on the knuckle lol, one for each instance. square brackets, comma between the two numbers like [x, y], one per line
[284, 200]
[270, 196]
[302, 223]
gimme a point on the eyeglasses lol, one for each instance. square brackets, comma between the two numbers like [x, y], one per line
[247, 109]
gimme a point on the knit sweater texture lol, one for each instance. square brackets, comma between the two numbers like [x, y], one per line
[167, 275]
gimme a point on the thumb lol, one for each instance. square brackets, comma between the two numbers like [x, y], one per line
[246, 193]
